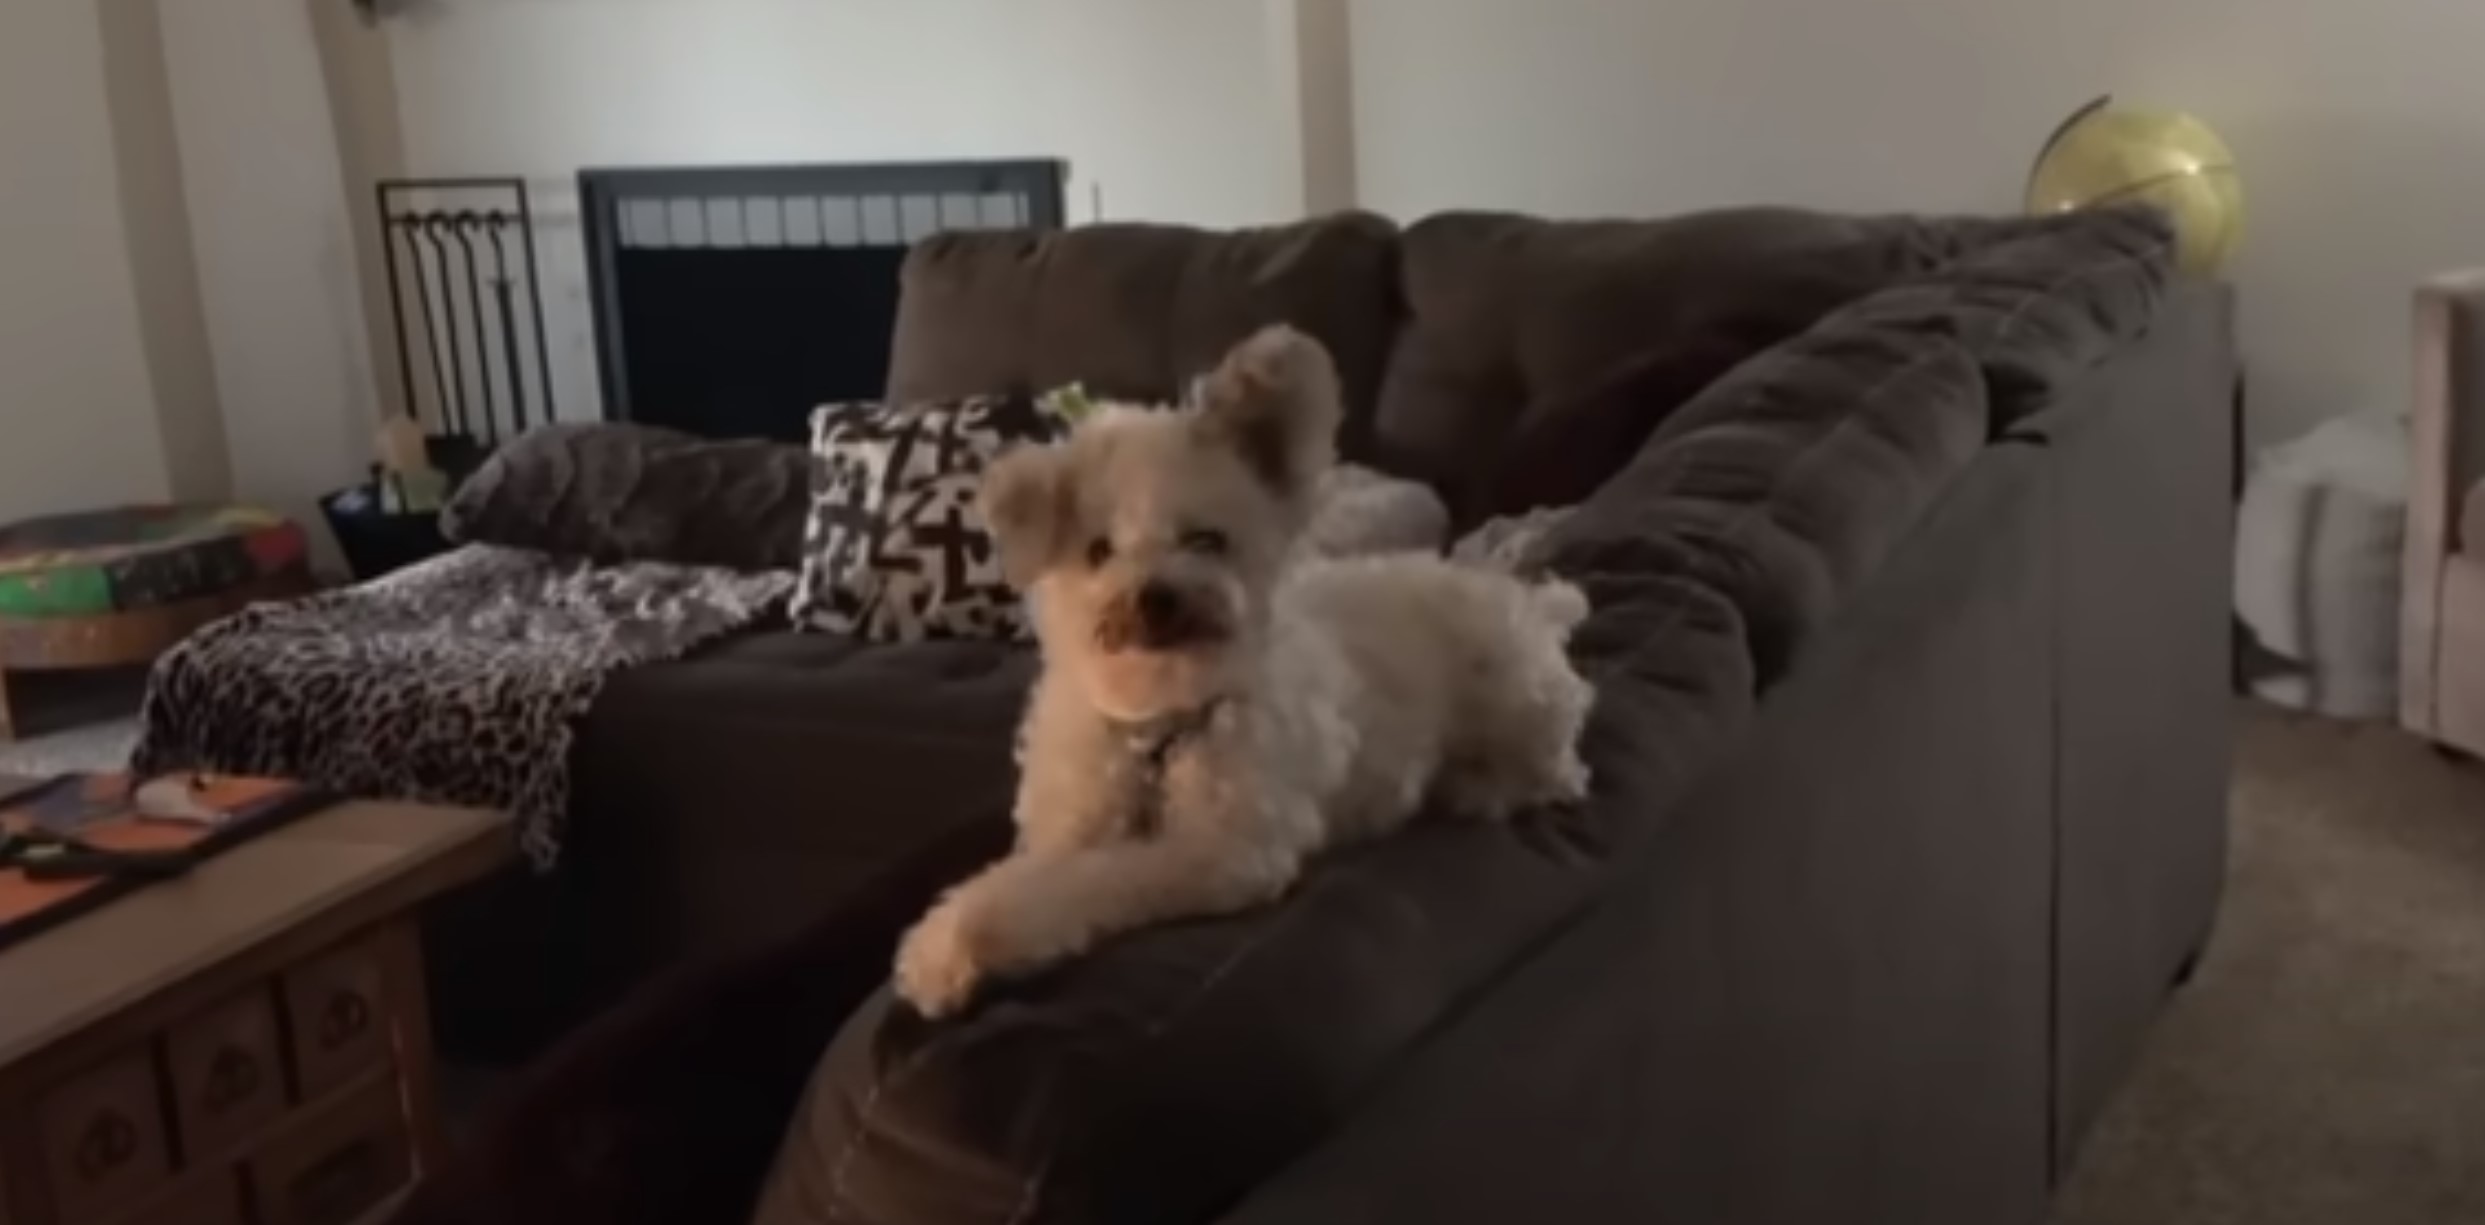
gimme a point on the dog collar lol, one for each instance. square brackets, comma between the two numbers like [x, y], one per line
[1154, 741]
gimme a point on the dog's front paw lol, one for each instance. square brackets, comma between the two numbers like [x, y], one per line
[1571, 780]
[937, 967]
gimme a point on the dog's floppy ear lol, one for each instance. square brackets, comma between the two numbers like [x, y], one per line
[1275, 400]
[1025, 500]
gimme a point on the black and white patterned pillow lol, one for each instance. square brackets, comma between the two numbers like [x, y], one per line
[893, 550]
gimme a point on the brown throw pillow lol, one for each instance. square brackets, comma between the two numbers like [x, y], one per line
[616, 492]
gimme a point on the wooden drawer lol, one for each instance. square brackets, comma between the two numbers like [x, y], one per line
[337, 1162]
[103, 1141]
[336, 1010]
[228, 1073]
[209, 1197]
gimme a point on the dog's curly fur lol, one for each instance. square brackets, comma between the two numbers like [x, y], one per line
[1214, 707]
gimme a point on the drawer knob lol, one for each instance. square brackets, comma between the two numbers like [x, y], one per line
[107, 1144]
[343, 1020]
[232, 1079]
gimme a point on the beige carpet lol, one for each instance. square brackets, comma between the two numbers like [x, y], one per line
[70, 721]
[2327, 1064]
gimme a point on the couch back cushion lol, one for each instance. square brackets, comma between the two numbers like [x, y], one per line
[1783, 484]
[2041, 303]
[1136, 311]
[1538, 354]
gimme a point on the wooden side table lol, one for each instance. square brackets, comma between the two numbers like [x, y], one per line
[246, 1045]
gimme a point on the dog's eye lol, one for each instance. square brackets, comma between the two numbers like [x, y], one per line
[1204, 540]
[1099, 551]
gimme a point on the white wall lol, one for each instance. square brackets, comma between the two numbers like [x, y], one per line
[277, 264]
[77, 421]
[2360, 130]
[1168, 108]
[163, 259]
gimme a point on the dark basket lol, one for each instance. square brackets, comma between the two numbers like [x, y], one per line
[376, 542]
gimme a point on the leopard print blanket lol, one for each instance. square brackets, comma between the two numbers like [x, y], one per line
[456, 681]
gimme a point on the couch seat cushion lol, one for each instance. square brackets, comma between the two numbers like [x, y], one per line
[734, 795]
[1136, 311]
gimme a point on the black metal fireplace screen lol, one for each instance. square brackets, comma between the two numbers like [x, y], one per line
[467, 309]
[729, 301]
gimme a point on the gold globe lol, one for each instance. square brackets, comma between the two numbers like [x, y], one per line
[2105, 154]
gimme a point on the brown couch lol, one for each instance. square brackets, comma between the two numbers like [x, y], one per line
[2442, 622]
[1908, 547]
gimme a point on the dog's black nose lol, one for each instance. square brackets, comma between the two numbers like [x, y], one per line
[1159, 607]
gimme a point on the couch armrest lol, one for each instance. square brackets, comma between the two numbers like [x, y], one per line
[2448, 425]
[667, 1110]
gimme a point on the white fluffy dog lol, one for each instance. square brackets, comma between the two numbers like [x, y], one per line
[1213, 708]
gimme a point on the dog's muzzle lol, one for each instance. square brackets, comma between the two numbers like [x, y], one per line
[1157, 617]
